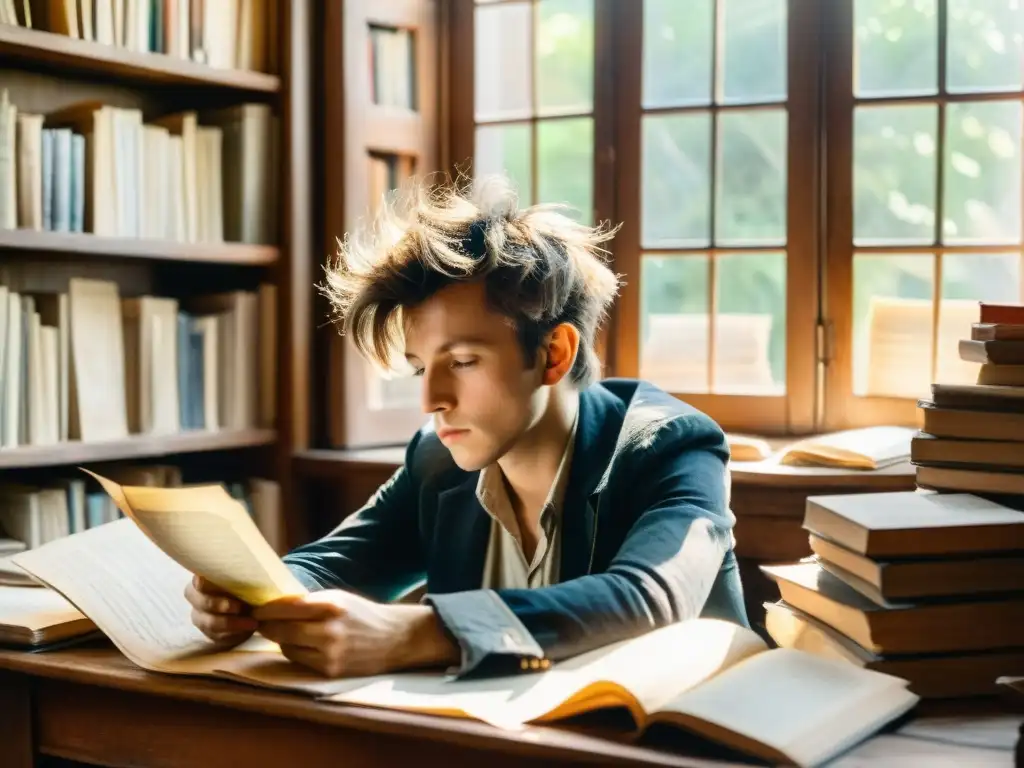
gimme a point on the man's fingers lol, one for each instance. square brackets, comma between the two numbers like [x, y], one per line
[221, 627]
[312, 659]
[215, 603]
[206, 586]
[305, 634]
[302, 608]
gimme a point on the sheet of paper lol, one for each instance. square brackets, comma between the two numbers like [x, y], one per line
[135, 594]
[206, 531]
[131, 590]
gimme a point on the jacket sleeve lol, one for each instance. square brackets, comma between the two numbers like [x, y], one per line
[663, 572]
[375, 551]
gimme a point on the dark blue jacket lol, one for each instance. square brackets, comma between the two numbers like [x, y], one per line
[646, 537]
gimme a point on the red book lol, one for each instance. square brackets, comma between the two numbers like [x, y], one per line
[1007, 314]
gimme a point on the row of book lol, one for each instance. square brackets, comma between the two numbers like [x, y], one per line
[182, 177]
[923, 585]
[90, 365]
[31, 516]
[227, 34]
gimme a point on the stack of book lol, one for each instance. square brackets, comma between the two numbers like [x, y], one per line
[925, 586]
[972, 436]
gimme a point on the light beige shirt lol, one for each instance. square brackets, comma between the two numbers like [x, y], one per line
[506, 566]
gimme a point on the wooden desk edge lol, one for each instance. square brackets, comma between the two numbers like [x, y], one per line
[83, 667]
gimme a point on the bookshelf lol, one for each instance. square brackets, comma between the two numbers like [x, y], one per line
[44, 72]
[381, 126]
[135, 447]
[32, 243]
[41, 49]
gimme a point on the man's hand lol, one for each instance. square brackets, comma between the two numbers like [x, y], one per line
[217, 614]
[343, 635]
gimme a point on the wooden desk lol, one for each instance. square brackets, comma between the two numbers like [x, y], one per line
[92, 704]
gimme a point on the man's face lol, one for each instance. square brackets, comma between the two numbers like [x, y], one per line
[475, 383]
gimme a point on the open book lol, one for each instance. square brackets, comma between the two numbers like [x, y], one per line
[709, 677]
[868, 448]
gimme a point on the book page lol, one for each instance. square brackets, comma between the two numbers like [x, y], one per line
[793, 704]
[207, 532]
[135, 594]
[131, 590]
[35, 609]
[621, 674]
[867, 448]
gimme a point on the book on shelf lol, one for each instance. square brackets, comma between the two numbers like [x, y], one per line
[392, 67]
[88, 364]
[181, 177]
[226, 34]
[927, 583]
[714, 678]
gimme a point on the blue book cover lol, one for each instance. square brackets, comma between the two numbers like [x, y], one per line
[47, 174]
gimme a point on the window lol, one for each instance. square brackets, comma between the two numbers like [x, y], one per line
[813, 196]
[707, 193]
[534, 98]
[926, 135]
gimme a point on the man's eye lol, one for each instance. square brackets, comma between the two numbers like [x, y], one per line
[463, 363]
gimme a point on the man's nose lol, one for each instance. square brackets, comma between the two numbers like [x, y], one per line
[437, 394]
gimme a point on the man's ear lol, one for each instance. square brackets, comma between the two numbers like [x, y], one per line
[562, 345]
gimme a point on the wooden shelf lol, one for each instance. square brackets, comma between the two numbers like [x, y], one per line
[135, 447]
[87, 57]
[33, 241]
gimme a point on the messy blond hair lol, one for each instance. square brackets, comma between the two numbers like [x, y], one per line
[540, 268]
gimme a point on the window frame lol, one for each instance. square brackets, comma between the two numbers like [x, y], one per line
[795, 410]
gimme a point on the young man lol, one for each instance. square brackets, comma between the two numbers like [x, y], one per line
[548, 513]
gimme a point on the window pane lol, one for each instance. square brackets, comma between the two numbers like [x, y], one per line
[565, 164]
[750, 324]
[505, 149]
[892, 325]
[565, 56]
[677, 52]
[894, 174]
[674, 322]
[986, 45]
[983, 172]
[751, 188]
[897, 47]
[966, 280]
[502, 62]
[755, 50]
[676, 180]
